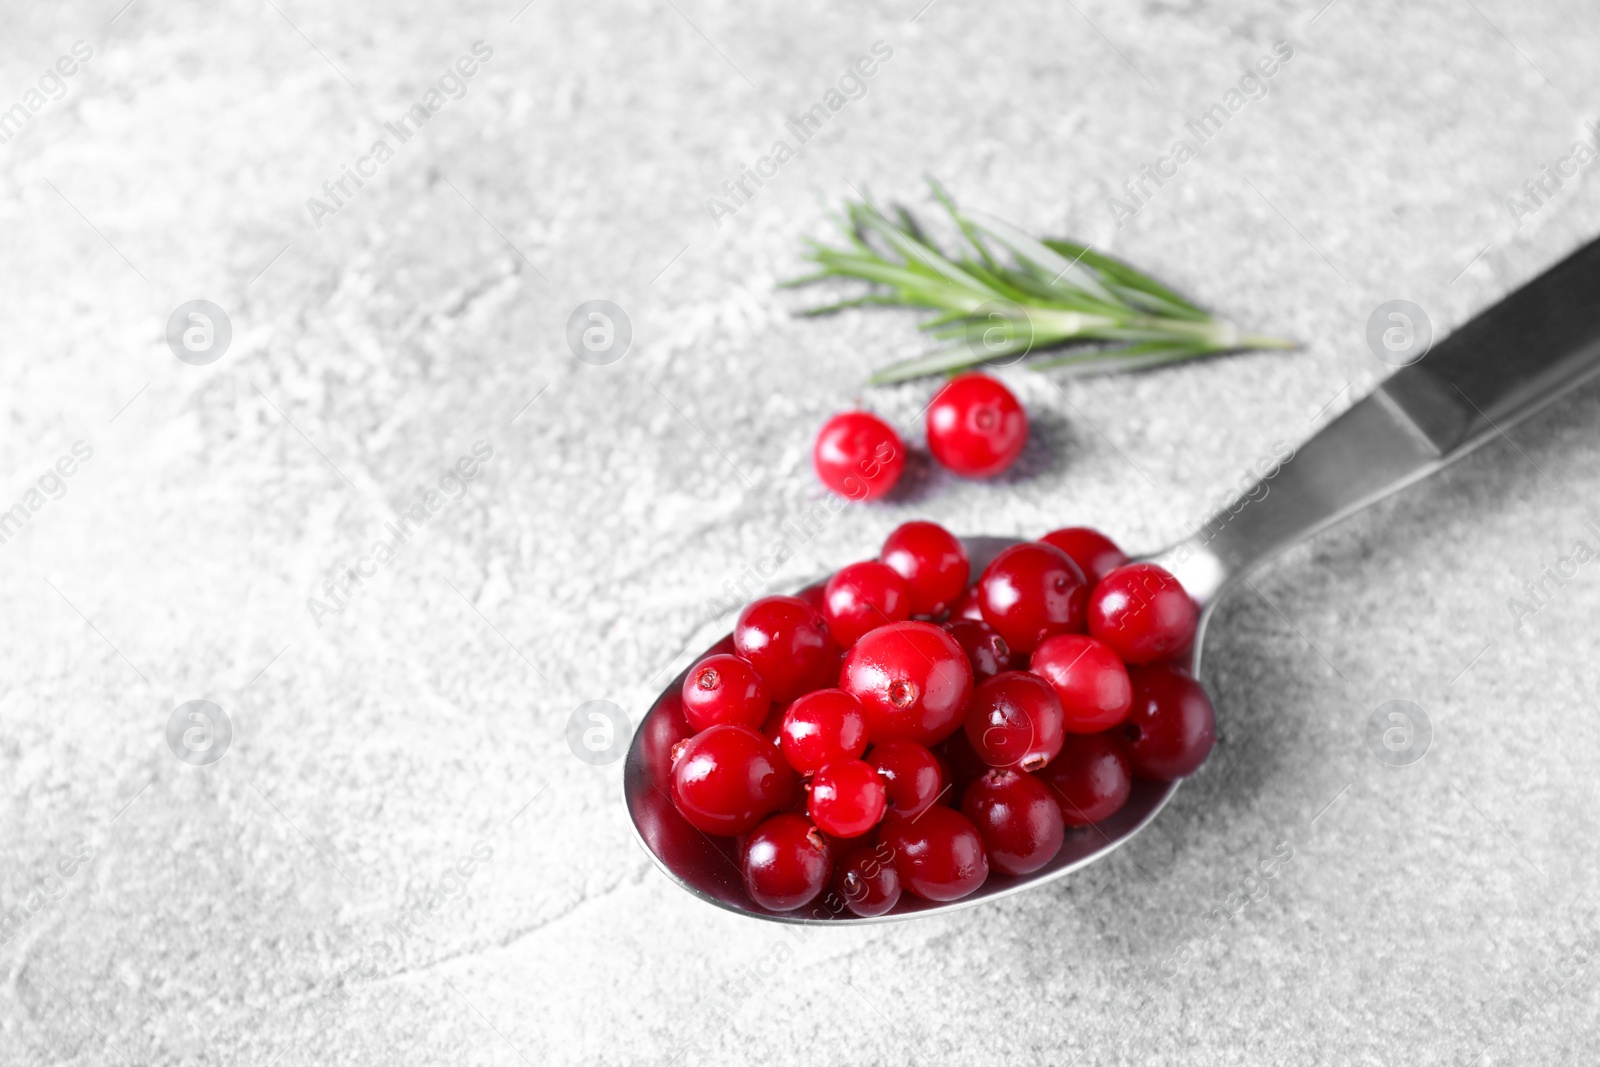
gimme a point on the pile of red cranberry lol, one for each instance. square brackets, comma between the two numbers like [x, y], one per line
[900, 728]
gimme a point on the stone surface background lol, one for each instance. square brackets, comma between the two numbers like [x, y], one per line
[1436, 913]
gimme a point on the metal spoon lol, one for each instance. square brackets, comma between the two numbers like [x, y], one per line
[1531, 348]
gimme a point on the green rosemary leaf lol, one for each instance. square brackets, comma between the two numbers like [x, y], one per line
[968, 230]
[1014, 294]
[1134, 357]
[939, 361]
[1124, 276]
[1061, 270]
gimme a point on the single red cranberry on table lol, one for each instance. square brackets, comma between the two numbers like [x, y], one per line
[1015, 720]
[866, 881]
[847, 798]
[727, 779]
[1142, 612]
[786, 863]
[912, 779]
[789, 645]
[1088, 677]
[933, 563]
[862, 597]
[1094, 553]
[976, 427]
[1171, 727]
[1091, 778]
[725, 689]
[1030, 592]
[1018, 819]
[858, 455]
[938, 855]
[912, 679]
[822, 727]
[986, 650]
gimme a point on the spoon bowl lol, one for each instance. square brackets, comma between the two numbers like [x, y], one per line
[708, 867]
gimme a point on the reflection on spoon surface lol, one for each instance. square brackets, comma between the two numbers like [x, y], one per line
[709, 868]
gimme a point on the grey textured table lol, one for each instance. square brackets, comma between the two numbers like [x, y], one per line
[303, 899]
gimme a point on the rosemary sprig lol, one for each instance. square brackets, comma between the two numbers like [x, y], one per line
[1009, 294]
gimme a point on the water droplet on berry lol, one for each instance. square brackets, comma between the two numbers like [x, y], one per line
[902, 694]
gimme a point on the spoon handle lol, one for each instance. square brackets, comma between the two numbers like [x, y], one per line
[1512, 359]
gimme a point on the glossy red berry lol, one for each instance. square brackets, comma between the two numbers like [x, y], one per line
[724, 689]
[1030, 592]
[1091, 778]
[813, 595]
[727, 779]
[789, 645]
[858, 455]
[1142, 612]
[1172, 726]
[976, 428]
[847, 798]
[1095, 554]
[986, 650]
[913, 681]
[1018, 819]
[968, 607]
[1015, 720]
[786, 863]
[911, 776]
[867, 882]
[938, 855]
[862, 597]
[1088, 677]
[933, 563]
[822, 727]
